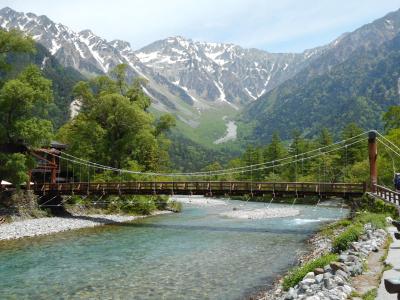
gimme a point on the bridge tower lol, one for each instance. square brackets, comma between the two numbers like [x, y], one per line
[373, 155]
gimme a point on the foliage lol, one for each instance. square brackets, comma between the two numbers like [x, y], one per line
[329, 229]
[297, 274]
[343, 240]
[24, 103]
[63, 79]
[377, 220]
[13, 41]
[377, 206]
[370, 295]
[175, 206]
[114, 128]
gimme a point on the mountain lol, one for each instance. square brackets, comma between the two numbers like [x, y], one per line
[216, 71]
[356, 80]
[196, 81]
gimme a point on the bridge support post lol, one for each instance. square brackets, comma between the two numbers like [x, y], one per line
[373, 155]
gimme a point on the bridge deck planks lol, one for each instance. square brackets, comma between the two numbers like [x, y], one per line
[204, 188]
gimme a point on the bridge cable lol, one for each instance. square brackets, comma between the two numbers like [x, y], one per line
[221, 172]
[216, 171]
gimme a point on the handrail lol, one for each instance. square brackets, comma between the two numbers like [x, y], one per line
[387, 194]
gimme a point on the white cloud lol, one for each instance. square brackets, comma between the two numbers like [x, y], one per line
[284, 25]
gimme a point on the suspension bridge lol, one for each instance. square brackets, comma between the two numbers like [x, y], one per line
[59, 173]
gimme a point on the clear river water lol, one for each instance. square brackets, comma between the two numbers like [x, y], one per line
[196, 254]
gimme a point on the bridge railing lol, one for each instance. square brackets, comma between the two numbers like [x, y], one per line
[388, 194]
[204, 187]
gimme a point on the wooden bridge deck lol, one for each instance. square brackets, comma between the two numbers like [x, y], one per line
[207, 188]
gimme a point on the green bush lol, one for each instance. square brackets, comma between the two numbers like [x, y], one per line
[175, 206]
[297, 274]
[329, 229]
[377, 220]
[343, 240]
[161, 202]
[142, 205]
[377, 206]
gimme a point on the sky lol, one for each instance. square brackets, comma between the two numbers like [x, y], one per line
[271, 25]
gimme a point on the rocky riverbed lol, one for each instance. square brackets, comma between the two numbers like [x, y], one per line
[333, 282]
[43, 226]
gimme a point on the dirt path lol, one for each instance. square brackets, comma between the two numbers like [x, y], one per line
[371, 277]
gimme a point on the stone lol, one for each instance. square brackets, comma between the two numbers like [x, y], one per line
[309, 275]
[318, 271]
[347, 289]
[308, 281]
[328, 284]
[291, 294]
[338, 266]
[342, 274]
[327, 268]
[315, 297]
[319, 278]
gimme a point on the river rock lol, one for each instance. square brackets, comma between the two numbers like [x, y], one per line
[338, 266]
[328, 284]
[344, 275]
[318, 271]
[291, 294]
[319, 278]
[309, 275]
[327, 268]
[308, 281]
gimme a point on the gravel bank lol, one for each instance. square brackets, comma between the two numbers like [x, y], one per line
[43, 226]
[262, 213]
[199, 201]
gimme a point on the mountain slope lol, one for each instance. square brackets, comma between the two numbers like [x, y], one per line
[224, 72]
[356, 80]
[359, 90]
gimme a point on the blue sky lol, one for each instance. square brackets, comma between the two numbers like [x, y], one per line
[275, 26]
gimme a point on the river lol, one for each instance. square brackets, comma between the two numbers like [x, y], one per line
[196, 254]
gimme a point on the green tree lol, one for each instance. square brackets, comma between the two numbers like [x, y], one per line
[325, 137]
[391, 118]
[272, 152]
[114, 127]
[13, 41]
[24, 103]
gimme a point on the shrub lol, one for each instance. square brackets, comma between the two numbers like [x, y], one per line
[376, 220]
[330, 228]
[343, 240]
[297, 274]
[175, 206]
[378, 206]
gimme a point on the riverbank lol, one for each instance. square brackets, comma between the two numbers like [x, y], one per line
[321, 277]
[49, 225]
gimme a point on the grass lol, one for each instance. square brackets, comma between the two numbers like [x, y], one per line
[370, 295]
[377, 220]
[386, 246]
[297, 274]
[343, 240]
[329, 229]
